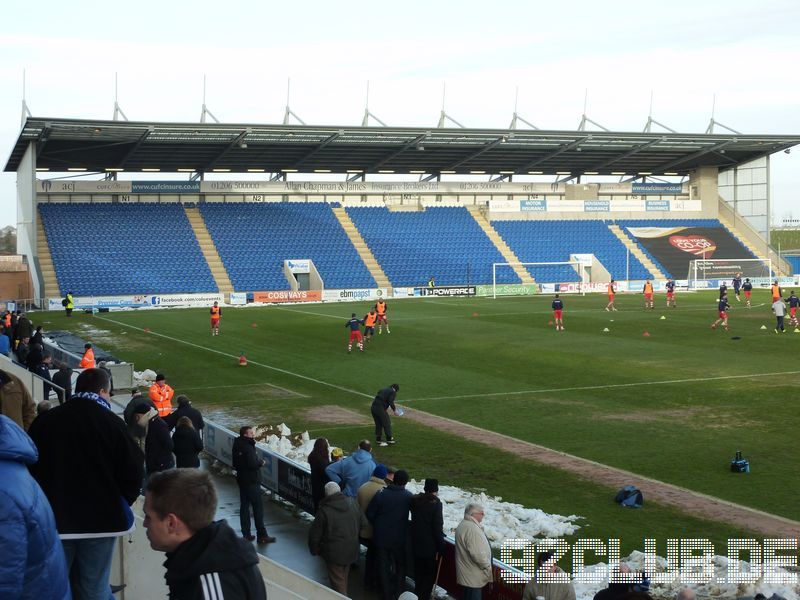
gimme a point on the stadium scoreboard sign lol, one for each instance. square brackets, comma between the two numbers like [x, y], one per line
[450, 290]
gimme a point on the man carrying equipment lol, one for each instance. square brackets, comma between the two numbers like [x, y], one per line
[216, 313]
[355, 333]
[648, 294]
[384, 400]
[380, 307]
[723, 313]
[558, 307]
[748, 289]
[737, 284]
[671, 294]
[612, 290]
[369, 324]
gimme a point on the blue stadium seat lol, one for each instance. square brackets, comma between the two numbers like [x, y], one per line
[123, 249]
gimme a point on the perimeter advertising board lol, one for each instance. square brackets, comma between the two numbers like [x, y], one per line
[446, 291]
[278, 296]
[138, 301]
[354, 295]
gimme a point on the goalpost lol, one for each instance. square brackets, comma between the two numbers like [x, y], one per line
[571, 271]
[702, 270]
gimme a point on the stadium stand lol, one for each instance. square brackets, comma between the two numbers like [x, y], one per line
[253, 240]
[442, 242]
[111, 249]
[728, 244]
[554, 241]
[795, 262]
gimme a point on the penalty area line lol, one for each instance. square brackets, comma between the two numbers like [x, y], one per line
[251, 362]
[604, 387]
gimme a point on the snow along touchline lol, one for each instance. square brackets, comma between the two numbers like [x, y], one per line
[251, 362]
[603, 387]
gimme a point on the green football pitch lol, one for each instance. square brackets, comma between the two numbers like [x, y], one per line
[668, 398]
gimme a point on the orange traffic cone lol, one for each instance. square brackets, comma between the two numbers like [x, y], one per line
[646, 334]
[242, 360]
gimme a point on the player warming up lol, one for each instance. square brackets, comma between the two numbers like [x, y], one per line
[671, 294]
[612, 291]
[737, 285]
[647, 290]
[723, 313]
[355, 333]
[747, 287]
[216, 314]
[369, 324]
[558, 309]
[380, 308]
[794, 303]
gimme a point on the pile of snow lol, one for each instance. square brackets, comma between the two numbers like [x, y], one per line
[144, 378]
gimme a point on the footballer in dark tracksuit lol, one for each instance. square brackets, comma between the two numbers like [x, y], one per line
[384, 400]
[355, 333]
[558, 308]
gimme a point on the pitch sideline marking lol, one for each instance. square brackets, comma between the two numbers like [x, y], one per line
[252, 362]
[603, 387]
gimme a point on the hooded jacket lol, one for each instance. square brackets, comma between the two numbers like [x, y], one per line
[214, 564]
[334, 533]
[353, 471]
[33, 564]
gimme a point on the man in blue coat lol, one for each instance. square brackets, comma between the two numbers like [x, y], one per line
[354, 471]
[33, 564]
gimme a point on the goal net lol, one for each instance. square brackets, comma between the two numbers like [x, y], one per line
[702, 271]
[569, 277]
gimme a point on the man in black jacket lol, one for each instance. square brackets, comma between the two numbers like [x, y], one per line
[427, 537]
[384, 400]
[185, 409]
[247, 465]
[205, 559]
[157, 441]
[91, 472]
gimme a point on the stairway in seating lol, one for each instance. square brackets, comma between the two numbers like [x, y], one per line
[46, 265]
[758, 253]
[209, 251]
[637, 252]
[500, 244]
[361, 247]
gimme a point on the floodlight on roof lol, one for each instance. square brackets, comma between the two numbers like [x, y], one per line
[590, 173]
[355, 170]
[534, 172]
[385, 171]
[289, 170]
[478, 172]
[507, 172]
[42, 169]
[563, 172]
[76, 168]
[618, 173]
[220, 170]
[151, 169]
[114, 169]
[645, 172]
[322, 170]
[446, 172]
[670, 173]
[186, 170]
[417, 172]
[256, 170]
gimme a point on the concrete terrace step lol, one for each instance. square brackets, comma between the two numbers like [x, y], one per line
[372, 264]
[209, 250]
[500, 244]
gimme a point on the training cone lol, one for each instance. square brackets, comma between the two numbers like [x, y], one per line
[147, 330]
[242, 361]
[253, 324]
[763, 327]
[549, 323]
[646, 334]
[796, 330]
[606, 330]
[663, 318]
[474, 314]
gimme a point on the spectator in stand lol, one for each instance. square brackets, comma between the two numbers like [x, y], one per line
[63, 379]
[352, 472]
[87, 360]
[137, 422]
[15, 400]
[248, 465]
[337, 454]
[33, 563]
[161, 395]
[365, 495]
[35, 353]
[686, 593]
[43, 406]
[91, 486]
[535, 589]
[186, 444]
[473, 554]
[7, 322]
[42, 369]
[427, 537]
[205, 558]
[22, 350]
[37, 337]
[388, 513]
[185, 409]
[5, 344]
[24, 328]
[615, 590]
[318, 459]
[157, 442]
[334, 535]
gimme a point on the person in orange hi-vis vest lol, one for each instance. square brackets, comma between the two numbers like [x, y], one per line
[87, 362]
[612, 290]
[161, 395]
[648, 294]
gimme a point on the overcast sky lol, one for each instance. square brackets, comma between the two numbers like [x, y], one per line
[684, 52]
